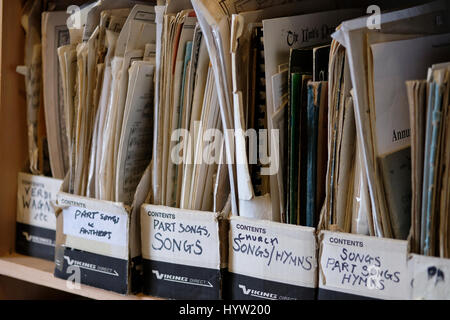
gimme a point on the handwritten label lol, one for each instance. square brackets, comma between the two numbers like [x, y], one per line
[180, 236]
[96, 225]
[366, 266]
[429, 278]
[34, 197]
[273, 251]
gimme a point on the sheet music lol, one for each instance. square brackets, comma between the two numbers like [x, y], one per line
[137, 131]
[55, 35]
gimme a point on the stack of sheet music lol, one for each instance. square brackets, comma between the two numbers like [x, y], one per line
[430, 131]
[271, 67]
[379, 63]
[188, 165]
[37, 115]
[32, 70]
[274, 70]
[346, 201]
[250, 102]
[99, 67]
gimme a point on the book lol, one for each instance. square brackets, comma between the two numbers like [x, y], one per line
[431, 166]
[293, 168]
[258, 120]
[321, 57]
[316, 108]
[417, 112]
[300, 70]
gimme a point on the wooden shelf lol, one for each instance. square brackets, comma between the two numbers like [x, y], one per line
[40, 272]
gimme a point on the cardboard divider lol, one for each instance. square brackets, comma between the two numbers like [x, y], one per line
[269, 260]
[182, 252]
[430, 277]
[359, 267]
[35, 222]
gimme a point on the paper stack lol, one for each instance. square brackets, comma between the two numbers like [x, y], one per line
[278, 146]
[380, 63]
[108, 81]
[188, 163]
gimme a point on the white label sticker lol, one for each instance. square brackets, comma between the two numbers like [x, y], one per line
[430, 278]
[273, 251]
[34, 197]
[96, 225]
[180, 236]
[365, 266]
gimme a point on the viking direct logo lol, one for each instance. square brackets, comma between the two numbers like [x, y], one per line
[39, 240]
[258, 293]
[91, 267]
[181, 279]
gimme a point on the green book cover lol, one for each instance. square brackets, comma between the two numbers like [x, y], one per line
[311, 156]
[300, 72]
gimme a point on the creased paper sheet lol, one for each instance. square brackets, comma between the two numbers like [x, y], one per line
[138, 31]
[134, 152]
[198, 83]
[91, 18]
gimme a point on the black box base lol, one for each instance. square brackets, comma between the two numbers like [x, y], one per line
[240, 287]
[175, 281]
[95, 270]
[325, 294]
[35, 241]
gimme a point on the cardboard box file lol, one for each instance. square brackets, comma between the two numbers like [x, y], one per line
[93, 242]
[98, 242]
[360, 267]
[430, 277]
[269, 260]
[182, 253]
[36, 222]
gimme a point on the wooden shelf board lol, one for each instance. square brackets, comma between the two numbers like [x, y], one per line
[40, 272]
